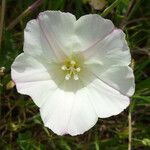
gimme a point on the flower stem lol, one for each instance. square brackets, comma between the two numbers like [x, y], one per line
[109, 9]
[129, 129]
[25, 13]
[130, 115]
[2, 20]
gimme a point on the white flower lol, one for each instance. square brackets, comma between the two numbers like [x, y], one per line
[74, 70]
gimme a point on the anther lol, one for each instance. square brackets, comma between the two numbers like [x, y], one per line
[78, 69]
[76, 77]
[68, 76]
[64, 67]
[72, 62]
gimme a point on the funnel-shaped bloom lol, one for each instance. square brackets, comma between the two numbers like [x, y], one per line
[74, 70]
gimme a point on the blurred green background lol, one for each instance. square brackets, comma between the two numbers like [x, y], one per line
[21, 127]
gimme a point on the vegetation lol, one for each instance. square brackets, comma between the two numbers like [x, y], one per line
[21, 127]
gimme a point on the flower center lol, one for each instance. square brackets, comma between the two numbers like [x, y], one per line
[72, 70]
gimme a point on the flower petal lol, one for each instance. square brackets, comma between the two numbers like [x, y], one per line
[58, 28]
[120, 78]
[92, 28]
[31, 78]
[106, 100]
[112, 50]
[110, 63]
[68, 113]
[35, 43]
[83, 116]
